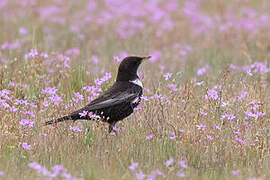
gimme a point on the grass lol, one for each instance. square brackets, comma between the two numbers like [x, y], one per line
[184, 123]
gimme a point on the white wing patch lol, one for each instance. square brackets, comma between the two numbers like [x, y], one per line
[137, 82]
[114, 100]
[135, 100]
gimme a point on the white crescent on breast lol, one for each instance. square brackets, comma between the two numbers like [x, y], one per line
[137, 82]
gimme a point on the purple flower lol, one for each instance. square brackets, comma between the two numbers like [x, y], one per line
[26, 146]
[170, 132]
[5, 94]
[93, 116]
[167, 76]
[254, 115]
[235, 132]
[22, 31]
[172, 137]
[75, 128]
[29, 113]
[151, 176]
[236, 172]
[45, 103]
[188, 47]
[201, 127]
[44, 55]
[155, 56]
[26, 122]
[217, 127]
[83, 114]
[78, 95]
[180, 174]
[115, 128]
[212, 94]
[71, 51]
[182, 52]
[66, 175]
[11, 83]
[169, 162]
[182, 164]
[181, 130]
[39, 168]
[239, 139]
[140, 175]
[117, 58]
[99, 81]
[57, 168]
[10, 45]
[49, 90]
[254, 178]
[158, 172]
[200, 83]
[1, 173]
[32, 53]
[133, 165]
[64, 58]
[228, 116]
[202, 70]
[172, 86]
[217, 86]
[242, 95]
[55, 99]
[224, 104]
[209, 137]
[93, 90]
[94, 59]
[202, 112]
[150, 136]
[161, 67]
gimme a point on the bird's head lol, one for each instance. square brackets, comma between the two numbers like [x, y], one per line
[127, 70]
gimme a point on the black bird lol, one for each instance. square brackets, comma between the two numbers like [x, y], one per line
[119, 100]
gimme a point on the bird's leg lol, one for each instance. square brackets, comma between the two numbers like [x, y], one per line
[136, 102]
[112, 128]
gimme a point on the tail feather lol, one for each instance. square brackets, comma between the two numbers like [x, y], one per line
[61, 119]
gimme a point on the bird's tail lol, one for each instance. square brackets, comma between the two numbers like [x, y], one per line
[61, 119]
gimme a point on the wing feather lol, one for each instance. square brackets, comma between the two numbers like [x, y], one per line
[120, 98]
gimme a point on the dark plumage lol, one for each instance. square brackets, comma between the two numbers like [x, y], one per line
[118, 101]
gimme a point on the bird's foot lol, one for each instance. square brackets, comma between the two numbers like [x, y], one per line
[113, 133]
[113, 130]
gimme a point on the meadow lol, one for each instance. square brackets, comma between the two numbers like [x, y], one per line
[205, 109]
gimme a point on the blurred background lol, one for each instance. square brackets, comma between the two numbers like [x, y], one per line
[178, 34]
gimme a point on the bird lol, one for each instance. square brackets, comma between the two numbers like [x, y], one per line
[118, 102]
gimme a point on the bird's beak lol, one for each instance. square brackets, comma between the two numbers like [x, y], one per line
[145, 58]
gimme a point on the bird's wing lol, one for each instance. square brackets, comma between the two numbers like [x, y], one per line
[111, 100]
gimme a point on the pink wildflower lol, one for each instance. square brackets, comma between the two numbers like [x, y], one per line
[133, 165]
[26, 122]
[167, 76]
[75, 128]
[236, 172]
[26, 146]
[150, 136]
[140, 175]
[182, 164]
[169, 162]
[180, 174]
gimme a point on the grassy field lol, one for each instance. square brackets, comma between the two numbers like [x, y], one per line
[205, 111]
